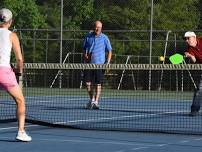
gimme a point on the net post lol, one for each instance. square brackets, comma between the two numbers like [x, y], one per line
[128, 57]
[59, 71]
[164, 55]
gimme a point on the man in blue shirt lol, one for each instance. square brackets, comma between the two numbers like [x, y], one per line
[96, 45]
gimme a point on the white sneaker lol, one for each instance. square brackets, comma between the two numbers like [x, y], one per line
[22, 136]
[95, 105]
[89, 104]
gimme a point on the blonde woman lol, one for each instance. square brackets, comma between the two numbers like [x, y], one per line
[9, 41]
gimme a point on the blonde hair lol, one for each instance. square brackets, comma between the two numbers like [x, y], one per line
[5, 16]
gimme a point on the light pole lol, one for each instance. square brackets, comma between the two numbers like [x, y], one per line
[61, 39]
[150, 41]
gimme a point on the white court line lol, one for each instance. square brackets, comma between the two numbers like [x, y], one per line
[184, 141]
[97, 142]
[142, 145]
[80, 141]
[120, 151]
[144, 110]
[9, 128]
[129, 110]
[76, 99]
[138, 148]
[38, 100]
[197, 139]
[117, 118]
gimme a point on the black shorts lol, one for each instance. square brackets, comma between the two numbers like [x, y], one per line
[94, 76]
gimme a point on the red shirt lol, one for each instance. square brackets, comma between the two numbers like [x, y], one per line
[196, 51]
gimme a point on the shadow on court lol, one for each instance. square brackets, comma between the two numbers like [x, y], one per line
[49, 139]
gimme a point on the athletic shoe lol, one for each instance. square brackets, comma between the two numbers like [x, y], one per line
[22, 136]
[88, 105]
[94, 106]
[193, 113]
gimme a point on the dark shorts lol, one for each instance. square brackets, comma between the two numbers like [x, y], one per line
[94, 76]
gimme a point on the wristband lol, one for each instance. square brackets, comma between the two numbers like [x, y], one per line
[18, 74]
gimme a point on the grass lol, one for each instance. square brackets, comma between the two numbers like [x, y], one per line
[114, 93]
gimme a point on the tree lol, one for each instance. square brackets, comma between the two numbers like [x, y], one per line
[52, 11]
[131, 15]
[79, 12]
[26, 13]
[135, 15]
[199, 6]
[176, 14]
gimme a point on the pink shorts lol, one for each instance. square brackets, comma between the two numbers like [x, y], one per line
[7, 78]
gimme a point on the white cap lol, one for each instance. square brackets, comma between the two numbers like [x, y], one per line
[189, 34]
[5, 15]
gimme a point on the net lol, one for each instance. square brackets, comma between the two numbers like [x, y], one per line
[134, 97]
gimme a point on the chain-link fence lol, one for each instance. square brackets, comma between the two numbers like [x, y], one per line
[44, 45]
[141, 29]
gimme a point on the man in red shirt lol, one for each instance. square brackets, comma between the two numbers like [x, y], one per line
[194, 52]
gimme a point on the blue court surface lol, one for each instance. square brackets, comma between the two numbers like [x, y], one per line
[139, 111]
[50, 139]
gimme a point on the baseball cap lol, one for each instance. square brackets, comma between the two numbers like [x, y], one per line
[5, 15]
[189, 34]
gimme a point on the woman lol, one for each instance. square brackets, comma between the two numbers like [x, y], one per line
[8, 82]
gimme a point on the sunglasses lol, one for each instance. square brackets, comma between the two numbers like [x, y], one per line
[186, 38]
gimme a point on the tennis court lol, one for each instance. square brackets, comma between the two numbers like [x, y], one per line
[159, 105]
[123, 112]
[147, 90]
[135, 114]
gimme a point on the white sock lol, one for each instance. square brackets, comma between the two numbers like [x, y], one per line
[95, 102]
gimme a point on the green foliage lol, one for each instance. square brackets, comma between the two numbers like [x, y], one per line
[176, 14]
[115, 14]
[26, 13]
[199, 7]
